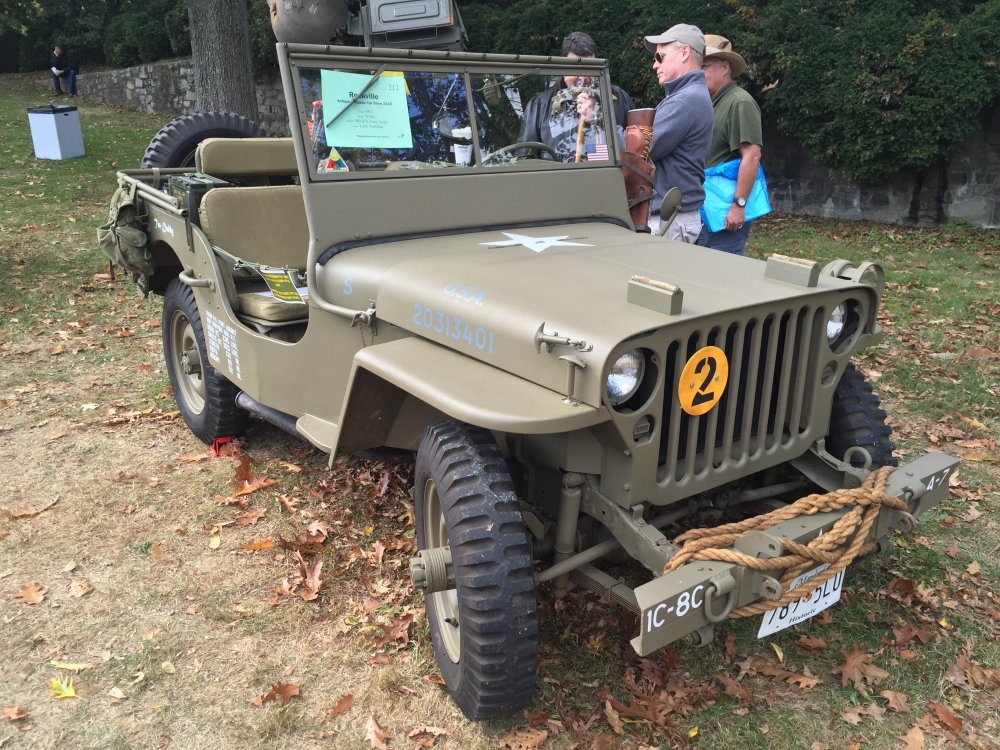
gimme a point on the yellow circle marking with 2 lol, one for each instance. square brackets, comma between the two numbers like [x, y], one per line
[703, 380]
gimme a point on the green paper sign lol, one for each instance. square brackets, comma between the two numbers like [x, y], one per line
[282, 285]
[358, 117]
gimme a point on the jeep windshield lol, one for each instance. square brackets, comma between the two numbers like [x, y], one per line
[362, 116]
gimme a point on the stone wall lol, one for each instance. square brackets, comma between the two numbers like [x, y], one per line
[167, 88]
[966, 187]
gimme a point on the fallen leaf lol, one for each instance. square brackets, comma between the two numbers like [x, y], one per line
[523, 739]
[897, 701]
[117, 694]
[79, 587]
[858, 668]
[284, 690]
[972, 515]
[853, 716]
[310, 578]
[257, 483]
[31, 593]
[168, 668]
[810, 643]
[342, 705]
[734, 688]
[69, 666]
[978, 352]
[946, 716]
[613, 718]
[61, 688]
[375, 735]
[257, 545]
[215, 542]
[13, 713]
[913, 739]
[433, 733]
[69, 567]
[250, 518]
[779, 652]
[398, 629]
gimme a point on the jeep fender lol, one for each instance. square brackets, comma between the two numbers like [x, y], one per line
[398, 388]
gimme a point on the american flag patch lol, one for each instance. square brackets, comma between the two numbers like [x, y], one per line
[598, 152]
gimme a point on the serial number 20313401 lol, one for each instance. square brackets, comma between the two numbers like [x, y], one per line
[455, 328]
[820, 598]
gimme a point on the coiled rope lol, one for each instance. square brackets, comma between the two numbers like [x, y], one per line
[838, 547]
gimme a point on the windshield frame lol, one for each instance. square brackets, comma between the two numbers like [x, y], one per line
[294, 59]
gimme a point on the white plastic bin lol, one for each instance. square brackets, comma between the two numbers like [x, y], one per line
[55, 131]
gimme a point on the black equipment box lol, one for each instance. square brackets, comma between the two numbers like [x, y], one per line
[188, 189]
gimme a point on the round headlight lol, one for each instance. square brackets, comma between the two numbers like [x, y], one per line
[625, 376]
[835, 324]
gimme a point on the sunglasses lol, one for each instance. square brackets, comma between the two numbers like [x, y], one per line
[658, 57]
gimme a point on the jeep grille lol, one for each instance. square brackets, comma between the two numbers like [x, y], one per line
[765, 410]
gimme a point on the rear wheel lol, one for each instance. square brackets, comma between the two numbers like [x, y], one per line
[485, 629]
[207, 401]
[175, 144]
[858, 421]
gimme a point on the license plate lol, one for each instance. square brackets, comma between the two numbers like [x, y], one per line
[800, 610]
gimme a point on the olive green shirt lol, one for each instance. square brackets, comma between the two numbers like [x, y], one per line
[735, 121]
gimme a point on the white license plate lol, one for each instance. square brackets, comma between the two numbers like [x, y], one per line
[802, 609]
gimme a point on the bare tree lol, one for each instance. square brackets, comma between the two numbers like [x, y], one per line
[220, 52]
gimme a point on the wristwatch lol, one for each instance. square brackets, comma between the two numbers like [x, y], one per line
[741, 202]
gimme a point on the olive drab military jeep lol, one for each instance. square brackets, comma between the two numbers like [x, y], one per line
[403, 272]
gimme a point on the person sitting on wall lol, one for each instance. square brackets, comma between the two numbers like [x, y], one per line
[59, 66]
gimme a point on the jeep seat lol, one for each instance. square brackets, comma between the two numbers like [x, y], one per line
[261, 226]
[247, 157]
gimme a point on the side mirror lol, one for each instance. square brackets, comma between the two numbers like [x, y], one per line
[669, 208]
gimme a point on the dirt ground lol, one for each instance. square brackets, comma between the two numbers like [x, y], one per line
[110, 512]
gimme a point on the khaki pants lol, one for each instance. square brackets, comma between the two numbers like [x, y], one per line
[685, 227]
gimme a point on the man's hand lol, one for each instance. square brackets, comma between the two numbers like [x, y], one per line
[735, 218]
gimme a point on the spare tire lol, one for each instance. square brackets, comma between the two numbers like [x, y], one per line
[175, 144]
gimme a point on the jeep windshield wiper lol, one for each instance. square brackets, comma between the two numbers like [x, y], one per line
[364, 89]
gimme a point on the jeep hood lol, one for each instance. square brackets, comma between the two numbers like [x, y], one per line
[488, 294]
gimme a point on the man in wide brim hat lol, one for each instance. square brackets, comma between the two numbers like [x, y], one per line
[719, 48]
[736, 135]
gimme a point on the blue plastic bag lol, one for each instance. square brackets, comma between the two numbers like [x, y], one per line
[720, 188]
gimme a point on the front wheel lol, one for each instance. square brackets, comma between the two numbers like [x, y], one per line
[207, 401]
[857, 421]
[485, 629]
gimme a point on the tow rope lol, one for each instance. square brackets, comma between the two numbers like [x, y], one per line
[838, 547]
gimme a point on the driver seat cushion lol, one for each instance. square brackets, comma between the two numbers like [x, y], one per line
[261, 305]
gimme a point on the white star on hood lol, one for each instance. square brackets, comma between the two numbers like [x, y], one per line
[535, 244]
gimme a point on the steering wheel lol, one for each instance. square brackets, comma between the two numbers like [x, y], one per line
[541, 148]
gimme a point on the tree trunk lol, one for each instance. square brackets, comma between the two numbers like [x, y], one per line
[220, 53]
